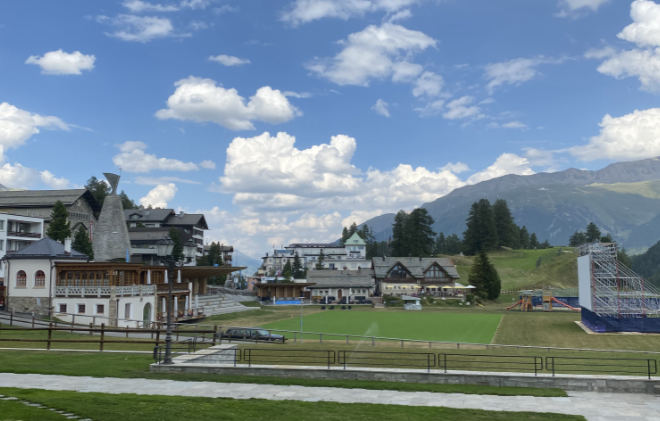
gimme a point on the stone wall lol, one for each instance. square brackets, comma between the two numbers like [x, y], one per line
[39, 305]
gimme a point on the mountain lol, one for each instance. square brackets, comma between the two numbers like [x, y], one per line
[623, 199]
[242, 259]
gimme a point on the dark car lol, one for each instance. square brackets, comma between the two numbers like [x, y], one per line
[328, 299]
[251, 334]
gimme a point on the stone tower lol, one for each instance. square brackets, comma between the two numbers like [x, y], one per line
[111, 241]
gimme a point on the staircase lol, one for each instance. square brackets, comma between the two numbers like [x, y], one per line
[221, 304]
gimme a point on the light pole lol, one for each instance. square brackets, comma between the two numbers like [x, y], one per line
[164, 249]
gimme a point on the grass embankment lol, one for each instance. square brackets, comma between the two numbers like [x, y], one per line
[127, 407]
[527, 269]
[137, 366]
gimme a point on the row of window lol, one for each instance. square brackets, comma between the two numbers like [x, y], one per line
[39, 279]
[354, 291]
[82, 308]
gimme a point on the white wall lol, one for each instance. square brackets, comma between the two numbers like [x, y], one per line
[30, 266]
[91, 316]
[584, 281]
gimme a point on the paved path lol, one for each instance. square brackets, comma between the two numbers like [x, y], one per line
[594, 406]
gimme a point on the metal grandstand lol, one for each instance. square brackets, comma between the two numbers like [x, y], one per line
[615, 290]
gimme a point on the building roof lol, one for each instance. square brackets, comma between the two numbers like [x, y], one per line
[194, 219]
[314, 245]
[45, 198]
[148, 234]
[341, 278]
[45, 248]
[355, 240]
[147, 215]
[415, 265]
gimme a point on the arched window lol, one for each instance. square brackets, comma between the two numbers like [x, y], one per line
[21, 279]
[39, 279]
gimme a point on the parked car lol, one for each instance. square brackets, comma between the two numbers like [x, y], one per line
[251, 334]
[327, 299]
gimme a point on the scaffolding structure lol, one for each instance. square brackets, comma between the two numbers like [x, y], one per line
[615, 289]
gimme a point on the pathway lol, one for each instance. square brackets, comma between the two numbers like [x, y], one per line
[594, 406]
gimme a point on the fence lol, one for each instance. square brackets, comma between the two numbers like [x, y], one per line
[443, 361]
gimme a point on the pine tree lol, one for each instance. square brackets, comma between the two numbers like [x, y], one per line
[577, 239]
[319, 263]
[98, 188]
[593, 233]
[504, 225]
[419, 233]
[82, 244]
[296, 268]
[287, 271]
[59, 228]
[177, 250]
[533, 241]
[440, 244]
[399, 239]
[481, 233]
[484, 277]
[454, 245]
[524, 238]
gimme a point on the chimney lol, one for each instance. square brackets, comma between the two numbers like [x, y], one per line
[67, 245]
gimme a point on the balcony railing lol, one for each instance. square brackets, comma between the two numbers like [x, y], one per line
[23, 234]
[104, 291]
[163, 288]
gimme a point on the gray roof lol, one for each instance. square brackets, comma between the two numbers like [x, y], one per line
[148, 234]
[341, 278]
[314, 245]
[415, 265]
[194, 219]
[148, 215]
[45, 248]
[43, 198]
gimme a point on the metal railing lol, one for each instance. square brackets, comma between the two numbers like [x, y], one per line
[387, 359]
[517, 363]
[625, 366]
[293, 357]
[188, 346]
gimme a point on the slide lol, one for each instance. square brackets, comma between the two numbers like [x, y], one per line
[564, 304]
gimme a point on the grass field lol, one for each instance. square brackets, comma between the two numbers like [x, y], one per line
[127, 407]
[437, 326]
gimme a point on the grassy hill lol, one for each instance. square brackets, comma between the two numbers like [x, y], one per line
[527, 269]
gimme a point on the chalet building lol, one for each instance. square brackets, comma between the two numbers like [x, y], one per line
[351, 284]
[48, 278]
[17, 232]
[413, 275]
[147, 226]
[80, 203]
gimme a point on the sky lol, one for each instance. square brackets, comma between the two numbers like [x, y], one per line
[283, 121]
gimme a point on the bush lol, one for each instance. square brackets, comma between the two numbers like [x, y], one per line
[392, 301]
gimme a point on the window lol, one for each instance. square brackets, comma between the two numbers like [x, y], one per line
[127, 311]
[99, 309]
[62, 308]
[21, 279]
[40, 279]
[2, 225]
[81, 308]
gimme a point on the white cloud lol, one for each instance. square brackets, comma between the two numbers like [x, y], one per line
[381, 107]
[159, 196]
[207, 164]
[377, 52]
[514, 125]
[201, 100]
[512, 72]
[50, 180]
[140, 28]
[19, 177]
[59, 62]
[133, 158]
[507, 163]
[462, 107]
[154, 181]
[571, 7]
[456, 167]
[642, 62]
[303, 11]
[139, 6]
[17, 125]
[631, 136]
[428, 84]
[226, 60]
[293, 94]
[197, 4]
[432, 108]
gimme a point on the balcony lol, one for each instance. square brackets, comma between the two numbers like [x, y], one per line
[164, 289]
[23, 234]
[104, 291]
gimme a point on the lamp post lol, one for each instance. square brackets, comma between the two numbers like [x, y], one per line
[164, 250]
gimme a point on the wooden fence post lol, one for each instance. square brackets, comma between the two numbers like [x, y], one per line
[50, 335]
[32, 320]
[11, 318]
[90, 329]
[158, 336]
[73, 321]
[102, 337]
[215, 333]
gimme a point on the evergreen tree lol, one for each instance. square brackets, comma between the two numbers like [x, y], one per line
[297, 269]
[419, 234]
[533, 241]
[177, 250]
[82, 244]
[399, 239]
[59, 228]
[481, 233]
[98, 188]
[319, 263]
[344, 235]
[593, 233]
[213, 257]
[454, 245]
[524, 238]
[440, 244]
[507, 231]
[577, 239]
[607, 238]
[623, 257]
[126, 202]
[287, 271]
[484, 277]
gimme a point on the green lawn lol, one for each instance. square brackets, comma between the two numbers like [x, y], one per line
[127, 407]
[434, 325]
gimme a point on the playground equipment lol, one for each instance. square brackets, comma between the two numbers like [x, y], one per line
[544, 299]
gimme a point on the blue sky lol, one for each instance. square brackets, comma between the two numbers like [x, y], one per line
[285, 120]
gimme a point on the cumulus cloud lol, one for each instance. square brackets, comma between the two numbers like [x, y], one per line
[643, 61]
[461, 108]
[59, 62]
[139, 28]
[512, 72]
[17, 125]
[159, 196]
[303, 11]
[631, 136]
[572, 7]
[133, 158]
[381, 107]
[229, 61]
[428, 84]
[17, 176]
[507, 163]
[201, 100]
[377, 52]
